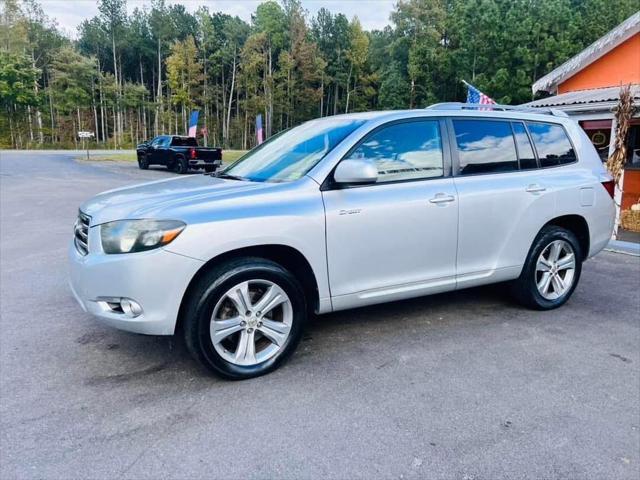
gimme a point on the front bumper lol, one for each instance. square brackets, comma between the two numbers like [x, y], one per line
[156, 280]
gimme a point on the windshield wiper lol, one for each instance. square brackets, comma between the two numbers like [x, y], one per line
[227, 176]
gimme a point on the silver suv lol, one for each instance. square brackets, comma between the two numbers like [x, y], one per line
[342, 212]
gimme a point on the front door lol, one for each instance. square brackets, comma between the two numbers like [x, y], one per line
[396, 238]
[159, 151]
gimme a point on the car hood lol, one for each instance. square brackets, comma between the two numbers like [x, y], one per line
[169, 199]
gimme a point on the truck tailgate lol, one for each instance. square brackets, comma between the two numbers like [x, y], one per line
[208, 154]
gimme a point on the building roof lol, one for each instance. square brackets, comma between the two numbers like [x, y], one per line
[596, 98]
[593, 52]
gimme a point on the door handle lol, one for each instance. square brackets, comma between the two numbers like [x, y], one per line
[535, 188]
[441, 198]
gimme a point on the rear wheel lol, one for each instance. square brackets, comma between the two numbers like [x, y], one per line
[244, 318]
[552, 270]
[209, 168]
[180, 166]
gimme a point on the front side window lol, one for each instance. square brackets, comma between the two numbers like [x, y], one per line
[291, 154]
[161, 141]
[485, 146]
[404, 151]
[552, 144]
[156, 142]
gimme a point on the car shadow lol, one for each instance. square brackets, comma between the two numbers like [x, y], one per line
[165, 359]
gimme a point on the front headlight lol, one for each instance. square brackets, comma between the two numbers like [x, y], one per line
[128, 236]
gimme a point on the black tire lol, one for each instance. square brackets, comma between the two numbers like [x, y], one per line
[525, 288]
[143, 163]
[203, 297]
[209, 168]
[180, 166]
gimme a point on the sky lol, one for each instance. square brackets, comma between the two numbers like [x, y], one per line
[373, 14]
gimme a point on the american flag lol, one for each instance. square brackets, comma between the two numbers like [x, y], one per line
[193, 123]
[476, 96]
[259, 130]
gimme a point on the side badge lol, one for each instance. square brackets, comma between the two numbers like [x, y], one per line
[353, 211]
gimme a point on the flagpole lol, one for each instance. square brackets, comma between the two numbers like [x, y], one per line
[465, 82]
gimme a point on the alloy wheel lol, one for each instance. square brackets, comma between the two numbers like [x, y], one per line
[251, 322]
[555, 269]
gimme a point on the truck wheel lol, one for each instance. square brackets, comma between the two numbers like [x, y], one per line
[551, 271]
[244, 318]
[143, 163]
[180, 166]
[209, 168]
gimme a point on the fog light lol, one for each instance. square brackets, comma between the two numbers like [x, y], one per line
[122, 306]
[130, 308]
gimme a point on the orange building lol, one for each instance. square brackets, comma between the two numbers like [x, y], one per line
[587, 87]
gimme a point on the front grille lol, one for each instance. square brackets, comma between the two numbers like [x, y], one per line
[81, 233]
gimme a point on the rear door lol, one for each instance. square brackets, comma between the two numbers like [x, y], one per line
[396, 238]
[503, 198]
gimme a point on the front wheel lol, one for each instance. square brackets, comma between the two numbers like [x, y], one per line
[552, 270]
[245, 318]
[143, 162]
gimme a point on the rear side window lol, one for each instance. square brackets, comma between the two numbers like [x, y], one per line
[485, 146]
[404, 151]
[552, 144]
[525, 151]
[184, 142]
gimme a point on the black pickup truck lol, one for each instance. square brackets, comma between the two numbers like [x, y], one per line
[178, 154]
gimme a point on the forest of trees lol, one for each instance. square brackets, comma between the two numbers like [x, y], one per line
[130, 76]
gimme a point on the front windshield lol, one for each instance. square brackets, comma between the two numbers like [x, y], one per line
[291, 154]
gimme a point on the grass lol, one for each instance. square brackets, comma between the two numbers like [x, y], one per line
[228, 156]
[111, 157]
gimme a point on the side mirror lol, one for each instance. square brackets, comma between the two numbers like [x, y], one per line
[356, 171]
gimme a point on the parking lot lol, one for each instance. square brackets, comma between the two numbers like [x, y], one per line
[464, 385]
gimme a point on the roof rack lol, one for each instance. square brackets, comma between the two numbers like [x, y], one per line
[495, 106]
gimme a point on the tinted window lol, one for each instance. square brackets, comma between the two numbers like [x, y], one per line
[552, 144]
[184, 142]
[161, 141]
[485, 146]
[404, 151]
[525, 151]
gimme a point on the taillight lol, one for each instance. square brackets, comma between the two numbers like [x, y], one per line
[610, 187]
[192, 153]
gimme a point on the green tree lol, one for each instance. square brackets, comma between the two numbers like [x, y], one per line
[184, 73]
[356, 56]
[72, 82]
[17, 76]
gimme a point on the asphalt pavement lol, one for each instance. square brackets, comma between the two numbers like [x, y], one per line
[464, 385]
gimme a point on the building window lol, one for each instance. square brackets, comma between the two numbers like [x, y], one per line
[599, 132]
[633, 147]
